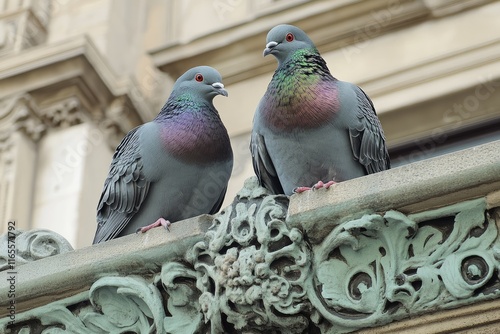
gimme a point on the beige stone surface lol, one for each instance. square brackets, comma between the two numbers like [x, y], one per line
[17, 187]
[71, 163]
[411, 188]
[64, 275]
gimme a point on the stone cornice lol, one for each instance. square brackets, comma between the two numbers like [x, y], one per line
[73, 70]
[46, 55]
[68, 56]
[446, 74]
[237, 51]
[446, 7]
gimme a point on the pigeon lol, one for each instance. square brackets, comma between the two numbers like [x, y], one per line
[175, 167]
[310, 129]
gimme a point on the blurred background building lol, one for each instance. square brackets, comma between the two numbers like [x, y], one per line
[76, 76]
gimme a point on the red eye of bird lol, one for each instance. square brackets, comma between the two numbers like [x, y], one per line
[289, 37]
[198, 77]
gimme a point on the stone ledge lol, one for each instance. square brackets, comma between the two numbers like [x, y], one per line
[419, 186]
[64, 275]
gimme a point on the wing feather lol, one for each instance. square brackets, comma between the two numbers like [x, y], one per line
[367, 137]
[125, 189]
[263, 165]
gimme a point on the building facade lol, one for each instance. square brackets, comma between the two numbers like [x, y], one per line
[75, 76]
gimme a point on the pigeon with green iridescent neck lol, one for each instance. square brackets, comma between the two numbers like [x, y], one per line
[174, 167]
[310, 129]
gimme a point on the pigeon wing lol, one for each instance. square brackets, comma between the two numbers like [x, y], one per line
[125, 189]
[263, 165]
[367, 137]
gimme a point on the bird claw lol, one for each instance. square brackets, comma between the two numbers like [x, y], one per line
[160, 222]
[300, 190]
[318, 185]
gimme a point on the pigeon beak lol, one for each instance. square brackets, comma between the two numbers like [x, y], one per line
[269, 48]
[219, 87]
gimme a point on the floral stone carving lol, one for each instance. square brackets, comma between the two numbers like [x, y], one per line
[30, 246]
[381, 268]
[253, 273]
[252, 267]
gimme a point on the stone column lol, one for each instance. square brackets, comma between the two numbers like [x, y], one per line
[20, 128]
[72, 166]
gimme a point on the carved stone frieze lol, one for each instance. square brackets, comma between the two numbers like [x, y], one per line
[253, 273]
[118, 118]
[381, 268]
[64, 113]
[30, 246]
[20, 113]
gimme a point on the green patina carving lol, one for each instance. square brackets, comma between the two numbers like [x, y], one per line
[112, 305]
[381, 268]
[31, 246]
[255, 274]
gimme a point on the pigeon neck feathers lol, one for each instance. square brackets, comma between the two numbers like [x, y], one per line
[192, 131]
[301, 94]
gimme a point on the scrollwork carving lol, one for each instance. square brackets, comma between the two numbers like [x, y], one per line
[31, 246]
[252, 266]
[381, 268]
[124, 305]
[20, 113]
[112, 305]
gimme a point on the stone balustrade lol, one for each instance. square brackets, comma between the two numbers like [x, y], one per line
[413, 249]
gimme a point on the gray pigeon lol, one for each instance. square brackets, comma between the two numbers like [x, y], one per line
[174, 167]
[310, 128]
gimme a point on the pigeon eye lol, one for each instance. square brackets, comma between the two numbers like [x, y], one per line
[198, 77]
[289, 37]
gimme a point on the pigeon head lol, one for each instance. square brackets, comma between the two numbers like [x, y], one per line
[201, 81]
[283, 40]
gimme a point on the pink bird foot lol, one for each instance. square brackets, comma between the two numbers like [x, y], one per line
[300, 190]
[160, 222]
[318, 185]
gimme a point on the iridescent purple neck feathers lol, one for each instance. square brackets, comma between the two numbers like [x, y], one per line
[193, 132]
[301, 94]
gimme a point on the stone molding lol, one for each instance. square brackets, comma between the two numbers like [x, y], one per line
[237, 60]
[407, 242]
[237, 51]
[71, 84]
[19, 113]
[23, 25]
[447, 7]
